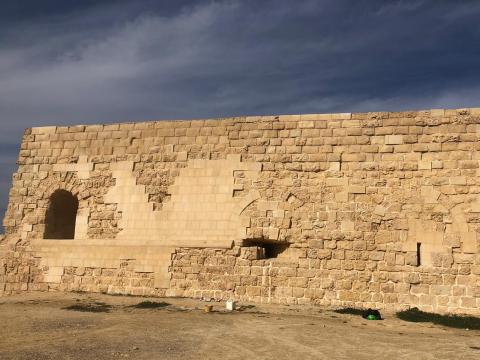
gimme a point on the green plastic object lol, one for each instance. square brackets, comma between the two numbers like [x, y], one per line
[371, 317]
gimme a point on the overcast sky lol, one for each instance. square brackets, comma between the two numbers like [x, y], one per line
[86, 61]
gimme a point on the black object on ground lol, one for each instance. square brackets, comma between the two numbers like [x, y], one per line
[371, 314]
[368, 314]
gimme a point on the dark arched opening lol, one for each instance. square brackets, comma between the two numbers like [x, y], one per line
[61, 215]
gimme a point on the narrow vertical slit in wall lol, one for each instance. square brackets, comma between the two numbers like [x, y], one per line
[419, 262]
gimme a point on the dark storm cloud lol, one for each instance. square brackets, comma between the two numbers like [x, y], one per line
[8, 154]
[79, 62]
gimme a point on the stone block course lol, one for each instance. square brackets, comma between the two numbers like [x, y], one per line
[371, 209]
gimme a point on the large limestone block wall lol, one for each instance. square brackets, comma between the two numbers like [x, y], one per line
[368, 209]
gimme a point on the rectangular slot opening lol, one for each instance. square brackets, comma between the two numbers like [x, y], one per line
[270, 250]
[419, 259]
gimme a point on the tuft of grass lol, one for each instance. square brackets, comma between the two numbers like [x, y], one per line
[350, 311]
[150, 305]
[453, 321]
[119, 294]
[245, 307]
[96, 307]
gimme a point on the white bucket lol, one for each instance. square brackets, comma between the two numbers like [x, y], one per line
[230, 305]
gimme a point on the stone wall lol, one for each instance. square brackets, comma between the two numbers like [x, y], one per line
[369, 209]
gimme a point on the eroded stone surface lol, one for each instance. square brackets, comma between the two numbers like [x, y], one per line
[374, 209]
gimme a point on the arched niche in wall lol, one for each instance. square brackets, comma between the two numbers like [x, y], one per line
[61, 215]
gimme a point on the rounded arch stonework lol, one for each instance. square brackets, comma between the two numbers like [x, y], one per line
[68, 182]
[269, 220]
[33, 221]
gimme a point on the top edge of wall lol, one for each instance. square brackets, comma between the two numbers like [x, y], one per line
[294, 117]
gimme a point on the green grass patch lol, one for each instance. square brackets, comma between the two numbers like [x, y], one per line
[150, 305]
[453, 321]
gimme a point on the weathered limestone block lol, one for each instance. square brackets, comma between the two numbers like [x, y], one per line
[373, 209]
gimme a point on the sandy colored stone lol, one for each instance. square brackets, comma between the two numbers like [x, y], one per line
[374, 209]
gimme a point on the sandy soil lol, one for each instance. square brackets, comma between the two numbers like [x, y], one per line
[39, 326]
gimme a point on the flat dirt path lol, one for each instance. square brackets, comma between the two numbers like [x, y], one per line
[52, 326]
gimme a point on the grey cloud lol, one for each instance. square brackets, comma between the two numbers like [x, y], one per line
[8, 155]
[226, 58]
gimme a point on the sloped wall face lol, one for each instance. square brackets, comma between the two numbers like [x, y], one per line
[376, 209]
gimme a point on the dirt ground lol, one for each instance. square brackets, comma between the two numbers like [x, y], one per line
[53, 326]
